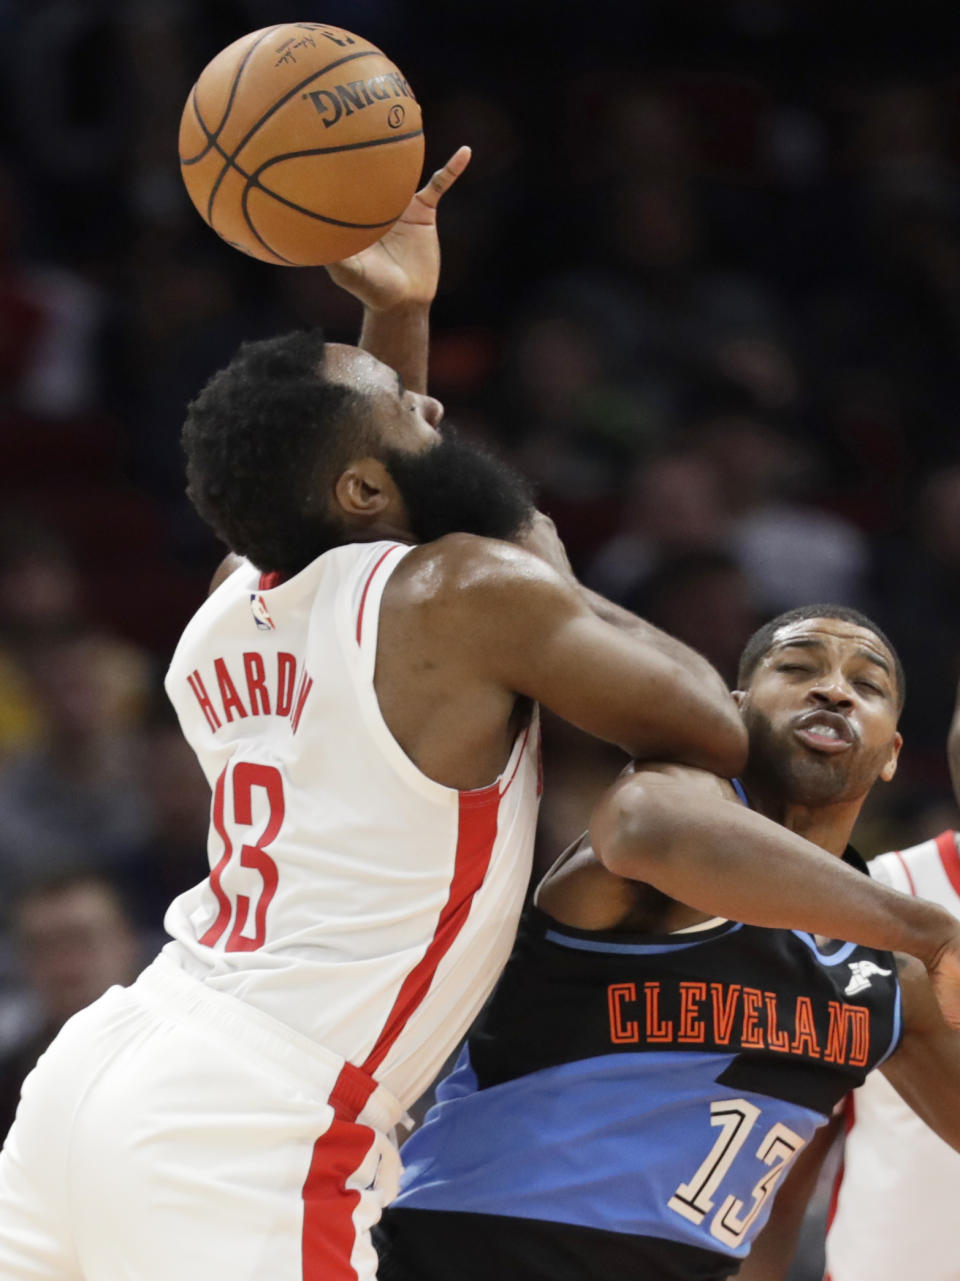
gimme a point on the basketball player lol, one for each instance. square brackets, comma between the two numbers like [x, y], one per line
[651, 1062]
[361, 691]
[894, 1205]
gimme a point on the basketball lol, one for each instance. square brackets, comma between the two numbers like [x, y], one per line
[301, 144]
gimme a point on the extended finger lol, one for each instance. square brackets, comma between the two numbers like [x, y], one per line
[444, 178]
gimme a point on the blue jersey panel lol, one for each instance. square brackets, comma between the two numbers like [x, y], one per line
[646, 1144]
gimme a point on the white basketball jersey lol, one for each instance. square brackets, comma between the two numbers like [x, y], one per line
[895, 1213]
[350, 897]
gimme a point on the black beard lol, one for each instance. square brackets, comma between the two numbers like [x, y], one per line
[457, 487]
[792, 779]
[797, 777]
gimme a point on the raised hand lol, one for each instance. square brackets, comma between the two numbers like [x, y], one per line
[403, 267]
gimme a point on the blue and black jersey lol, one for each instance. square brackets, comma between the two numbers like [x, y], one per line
[627, 1105]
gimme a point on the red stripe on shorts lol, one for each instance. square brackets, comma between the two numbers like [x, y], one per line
[477, 833]
[329, 1232]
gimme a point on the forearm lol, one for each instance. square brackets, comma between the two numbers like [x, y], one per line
[773, 1251]
[730, 861]
[400, 337]
[770, 1255]
[925, 1070]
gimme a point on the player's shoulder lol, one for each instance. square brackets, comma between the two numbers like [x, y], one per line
[459, 567]
[904, 868]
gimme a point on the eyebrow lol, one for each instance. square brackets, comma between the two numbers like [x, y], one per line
[811, 642]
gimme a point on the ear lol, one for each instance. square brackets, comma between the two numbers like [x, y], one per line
[739, 697]
[890, 768]
[364, 491]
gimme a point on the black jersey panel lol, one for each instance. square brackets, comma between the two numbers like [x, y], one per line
[809, 1085]
[432, 1245]
[770, 995]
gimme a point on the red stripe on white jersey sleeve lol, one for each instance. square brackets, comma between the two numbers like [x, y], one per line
[947, 849]
[366, 588]
[907, 873]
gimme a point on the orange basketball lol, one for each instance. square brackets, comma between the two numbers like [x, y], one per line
[301, 144]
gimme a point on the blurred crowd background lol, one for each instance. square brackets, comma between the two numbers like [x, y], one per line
[701, 282]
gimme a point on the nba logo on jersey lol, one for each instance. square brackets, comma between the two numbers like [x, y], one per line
[261, 615]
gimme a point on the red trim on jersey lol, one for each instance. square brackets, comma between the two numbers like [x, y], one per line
[523, 748]
[906, 872]
[479, 812]
[849, 1117]
[947, 849]
[272, 579]
[366, 587]
[329, 1232]
[350, 1092]
[212, 935]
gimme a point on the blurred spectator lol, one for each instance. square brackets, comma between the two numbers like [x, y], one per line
[177, 803]
[39, 598]
[792, 551]
[74, 939]
[702, 597]
[674, 505]
[75, 799]
[919, 584]
[40, 589]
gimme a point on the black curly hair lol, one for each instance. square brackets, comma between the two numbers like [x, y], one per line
[265, 441]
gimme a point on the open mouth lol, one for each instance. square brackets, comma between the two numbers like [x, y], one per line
[826, 732]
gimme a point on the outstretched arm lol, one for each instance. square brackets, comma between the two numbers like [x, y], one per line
[925, 1070]
[543, 540]
[396, 280]
[691, 839]
[505, 618]
[772, 1252]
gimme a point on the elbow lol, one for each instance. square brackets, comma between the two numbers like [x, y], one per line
[723, 741]
[631, 833]
[715, 732]
[731, 743]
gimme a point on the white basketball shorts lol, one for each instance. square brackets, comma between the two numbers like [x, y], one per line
[173, 1132]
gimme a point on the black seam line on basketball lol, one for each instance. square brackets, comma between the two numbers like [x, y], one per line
[249, 221]
[318, 217]
[312, 151]
[254, 183]
[346, 146]
[350, 57]
[212, 137]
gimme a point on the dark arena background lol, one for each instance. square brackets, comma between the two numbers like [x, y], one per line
[701, 282]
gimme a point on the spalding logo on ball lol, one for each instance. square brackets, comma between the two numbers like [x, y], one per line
[301, 144]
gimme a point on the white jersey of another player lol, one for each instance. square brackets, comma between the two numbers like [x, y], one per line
[895, 1212]
[345, 885]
